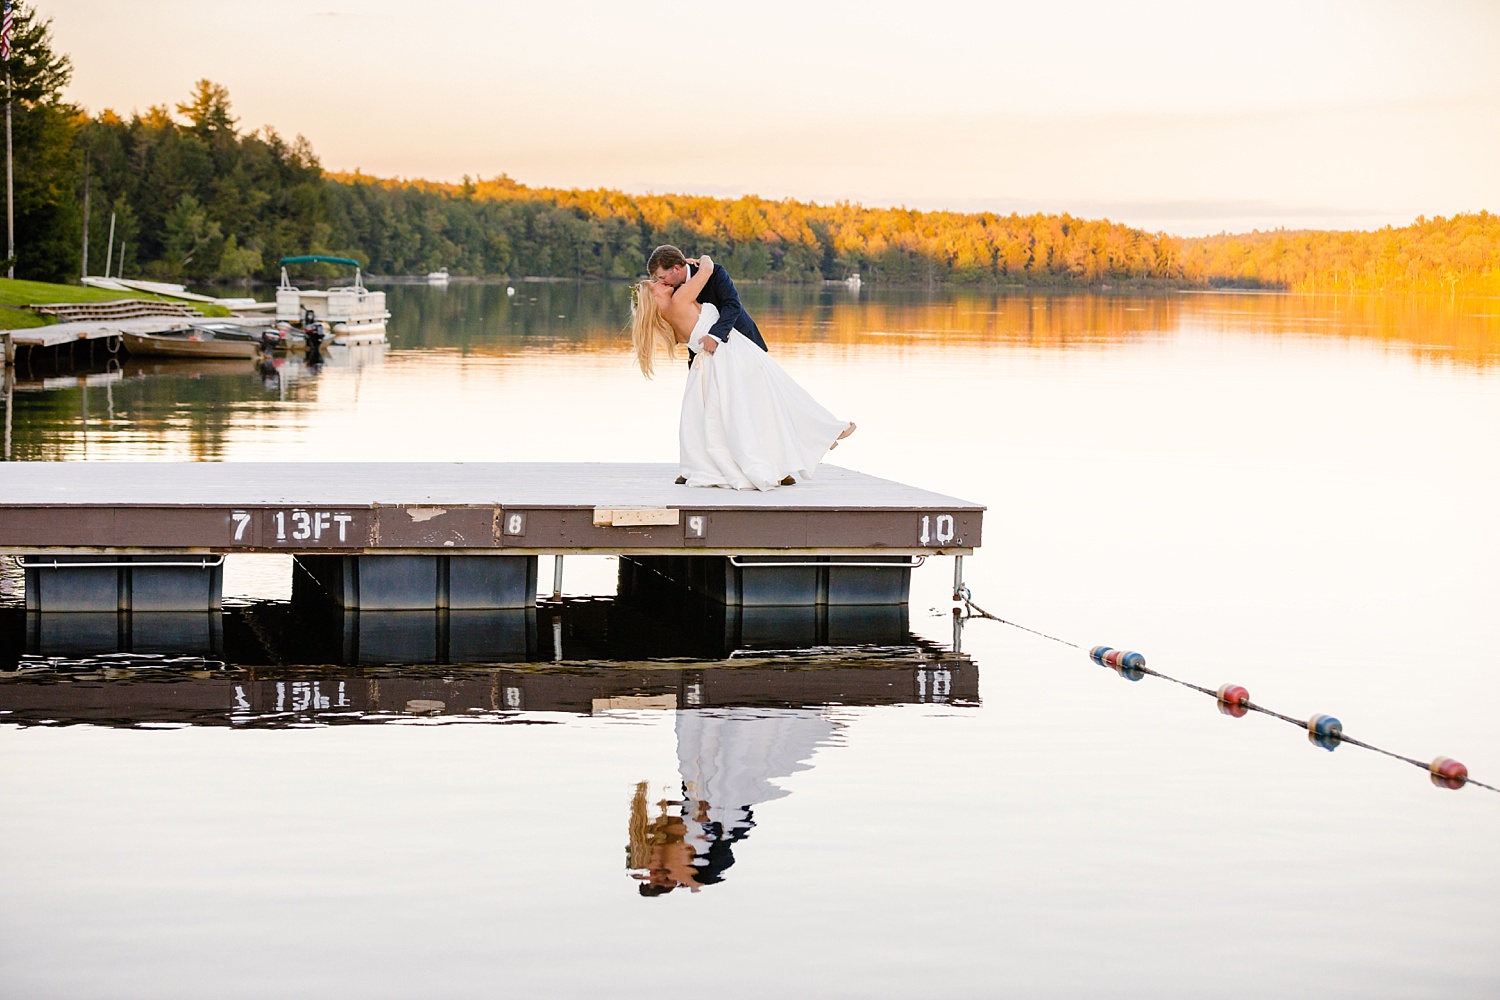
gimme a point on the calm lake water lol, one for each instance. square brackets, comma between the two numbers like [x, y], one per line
[1295, 494]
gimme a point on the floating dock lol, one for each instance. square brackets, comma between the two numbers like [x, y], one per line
[105, 536]
[84, 331]
[83, 341]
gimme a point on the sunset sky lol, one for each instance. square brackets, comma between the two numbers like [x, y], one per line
[1189, 117]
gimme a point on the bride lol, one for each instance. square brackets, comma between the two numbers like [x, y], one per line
[745, 424]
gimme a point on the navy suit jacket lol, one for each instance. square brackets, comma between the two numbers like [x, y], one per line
[732, 316]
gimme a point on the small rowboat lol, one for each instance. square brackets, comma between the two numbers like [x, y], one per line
[188, 344]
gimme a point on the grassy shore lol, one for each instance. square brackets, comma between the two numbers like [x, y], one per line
[16, 294]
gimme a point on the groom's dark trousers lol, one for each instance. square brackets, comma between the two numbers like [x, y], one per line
[732, 316]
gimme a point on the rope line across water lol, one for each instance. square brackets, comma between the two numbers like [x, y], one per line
[1323, 730]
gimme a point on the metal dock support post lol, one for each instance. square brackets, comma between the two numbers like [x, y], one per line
[557, 571]
[958, 578]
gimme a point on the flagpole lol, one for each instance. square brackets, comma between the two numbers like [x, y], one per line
[10, 187]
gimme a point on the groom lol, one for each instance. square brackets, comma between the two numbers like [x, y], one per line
[669, 266]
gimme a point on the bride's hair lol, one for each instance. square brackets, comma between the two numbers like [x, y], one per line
[648, 328]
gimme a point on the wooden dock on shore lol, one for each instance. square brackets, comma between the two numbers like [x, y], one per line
[94, 335]
[86, 331]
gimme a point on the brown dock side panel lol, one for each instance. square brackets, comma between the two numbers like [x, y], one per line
[141, 507]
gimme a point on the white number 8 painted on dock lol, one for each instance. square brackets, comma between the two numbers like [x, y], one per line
[945, 529]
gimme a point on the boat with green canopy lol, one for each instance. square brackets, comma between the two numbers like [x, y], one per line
[352, 313]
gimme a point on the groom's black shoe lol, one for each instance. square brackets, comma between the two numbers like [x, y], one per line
[681, 480]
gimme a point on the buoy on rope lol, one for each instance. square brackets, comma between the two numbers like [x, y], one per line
[1117, 658]
[1234, 700]
[1325, 731]
[1128, 665]
[1448, 773]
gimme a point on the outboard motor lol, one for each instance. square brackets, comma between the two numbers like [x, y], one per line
[312, 339]
[270, 339]
[269, 376]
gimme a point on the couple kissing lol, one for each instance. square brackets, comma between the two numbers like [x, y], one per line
[746, 424]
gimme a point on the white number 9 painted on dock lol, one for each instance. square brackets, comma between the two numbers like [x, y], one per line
[939, 533]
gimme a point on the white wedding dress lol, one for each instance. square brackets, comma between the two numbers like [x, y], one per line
[745, 424]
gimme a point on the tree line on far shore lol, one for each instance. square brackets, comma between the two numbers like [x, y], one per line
[193, 197]
[1460, 253]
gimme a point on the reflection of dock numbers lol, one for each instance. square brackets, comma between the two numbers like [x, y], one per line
[309, 525]
[944, 533]
[941, 689]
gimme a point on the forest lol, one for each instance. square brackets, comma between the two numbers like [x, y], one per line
[1456, 254]
[184, 193]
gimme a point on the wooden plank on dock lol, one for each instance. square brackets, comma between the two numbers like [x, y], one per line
[515, 508]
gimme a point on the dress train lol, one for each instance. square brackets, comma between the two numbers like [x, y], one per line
[746, 424]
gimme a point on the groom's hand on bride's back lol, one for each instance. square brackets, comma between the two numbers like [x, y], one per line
[710, 344]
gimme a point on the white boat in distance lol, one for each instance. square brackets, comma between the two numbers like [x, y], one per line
[438, 277]
[352, 313]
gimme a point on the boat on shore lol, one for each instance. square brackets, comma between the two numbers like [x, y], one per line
[438, 277]
[188, 343]
[352, 314]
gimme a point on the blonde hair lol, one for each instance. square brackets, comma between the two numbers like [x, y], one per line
[648, 328]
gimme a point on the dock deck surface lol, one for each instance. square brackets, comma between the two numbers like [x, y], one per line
[540, 507]
[66, 333]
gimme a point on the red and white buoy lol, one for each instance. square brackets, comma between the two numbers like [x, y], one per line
[1234, 700]
[1448, 773]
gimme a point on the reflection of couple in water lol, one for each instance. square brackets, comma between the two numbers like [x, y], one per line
[666, 853]
[727, 759]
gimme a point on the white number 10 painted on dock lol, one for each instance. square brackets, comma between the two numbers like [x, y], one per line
[944, 533]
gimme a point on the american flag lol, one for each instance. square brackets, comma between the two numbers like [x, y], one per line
[5, 29]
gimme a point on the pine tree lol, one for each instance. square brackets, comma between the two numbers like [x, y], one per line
[48, 219]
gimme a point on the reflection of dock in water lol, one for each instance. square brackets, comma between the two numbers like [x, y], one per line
[117, 691]
[274, 662]
[576, 630]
